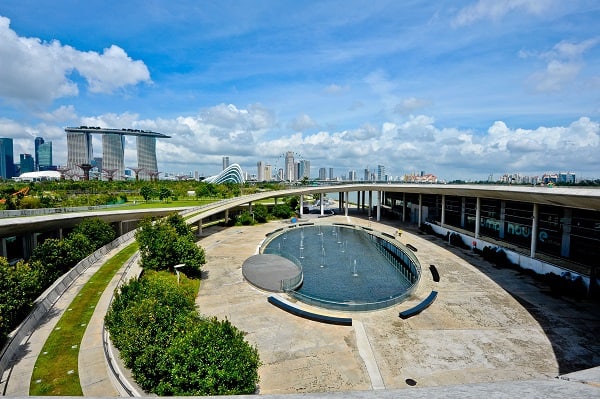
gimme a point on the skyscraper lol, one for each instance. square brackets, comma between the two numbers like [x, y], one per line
[146, 152]
[26, 163]
[37, 142]
[113, 154]
[260, 175]
[303, 169]
[7, 161]
[268, 172]
[330, 173]
[322, 173]
[225, 162]
[289, 166]
[79, 149]
[44, 156]
[380, 173]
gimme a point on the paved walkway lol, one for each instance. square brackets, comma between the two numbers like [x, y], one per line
[491, 332]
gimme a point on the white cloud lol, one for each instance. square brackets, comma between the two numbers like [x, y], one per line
[34, 71]
[302, 122]
[410, 105]
[61, 114]
[496, 9]
[564, 63]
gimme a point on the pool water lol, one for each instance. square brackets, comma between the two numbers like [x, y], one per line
[343, 267]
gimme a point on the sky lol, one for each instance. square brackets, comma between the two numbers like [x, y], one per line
[459, 89]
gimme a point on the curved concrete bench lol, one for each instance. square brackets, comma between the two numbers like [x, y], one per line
[420, 307]
[434, 273]
[288, 307]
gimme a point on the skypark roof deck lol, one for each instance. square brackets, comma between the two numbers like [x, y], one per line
[127, 132]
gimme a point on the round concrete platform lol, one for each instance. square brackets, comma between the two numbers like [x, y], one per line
[265, 271]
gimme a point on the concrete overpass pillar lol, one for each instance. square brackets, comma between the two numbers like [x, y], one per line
[379, 195]
[363, 201]
[199, 227]
[443, 218]
[27, 240]
[534, 229]
[321, 204]
[370, 203]
[420, 209]
[502, 218]
[565, 246]
[226, 215]
[346, 202]
[463, 209]
[403, 207]
[477, 217]
[3, 248]
[340, 202]
[301, 205]
[358, 201]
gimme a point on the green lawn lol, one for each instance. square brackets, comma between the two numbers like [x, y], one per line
[55, 372]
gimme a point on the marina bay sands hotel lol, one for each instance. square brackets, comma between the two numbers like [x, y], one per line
[81, 157]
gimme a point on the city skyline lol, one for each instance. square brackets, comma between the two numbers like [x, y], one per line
[462, 89]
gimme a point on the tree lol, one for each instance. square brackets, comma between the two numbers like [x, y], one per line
[282, 211]
[147, 192]
[164, 193]
[162, 246]
[97, 231]
[261, 212]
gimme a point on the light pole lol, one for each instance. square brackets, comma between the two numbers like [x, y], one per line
[177, 267]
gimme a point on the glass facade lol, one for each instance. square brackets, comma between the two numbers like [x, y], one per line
[7, 160]
[146, 151]
[79, 146]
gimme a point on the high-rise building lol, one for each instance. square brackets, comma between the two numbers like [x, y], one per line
[268, 172]
[146, 153]
[352, 175]
[225, 162]
[260, 173]
[79, 149]
[37, 142]
[330, 173]
[26, 163]
[303, 169]
[44, 156]
[290, 166]
[380, 173]
[322, 173]
[7, 160]
[79, 145]
[367, 175]
[113, 155]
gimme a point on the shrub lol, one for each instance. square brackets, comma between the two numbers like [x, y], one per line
[170, 349]
[282, 211]
[98, 232]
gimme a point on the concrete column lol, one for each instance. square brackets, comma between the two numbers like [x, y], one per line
[358, 201]
[199, 227]
[565, 247]
[120, 228]
[502, 218]
[443, 219]
[275, 200]
[321, 204]
[301, 205]
[226, 215]
[477, 217]
[462, 212]
[60, 234]
[363, 201]
[379, 195]
[250, 207]
[534, 229]
[403, 207]
[340, 201]
[346, 201]
[3, 247]
[370, 203]
[27, 240]
[420, 209]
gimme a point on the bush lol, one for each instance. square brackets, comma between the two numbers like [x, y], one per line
[98, 232]
[261, 213]
[167, 242]
[245, 219]
[282, 211]
[170, 349]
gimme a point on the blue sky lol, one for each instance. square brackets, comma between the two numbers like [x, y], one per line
[460, 89]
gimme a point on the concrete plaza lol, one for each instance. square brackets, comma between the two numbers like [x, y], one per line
[487, 324]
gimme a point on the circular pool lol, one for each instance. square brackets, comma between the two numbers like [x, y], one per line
[346, 267]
